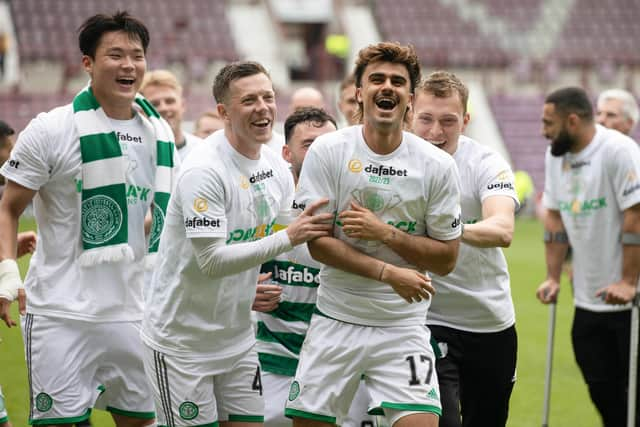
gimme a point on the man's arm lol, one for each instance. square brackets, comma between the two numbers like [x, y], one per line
[556, 246]
[623, 291]
[409, 284]
[14, 200]
[496, 227]
[424, 252]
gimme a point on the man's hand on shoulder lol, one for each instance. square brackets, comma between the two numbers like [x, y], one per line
[308, 226]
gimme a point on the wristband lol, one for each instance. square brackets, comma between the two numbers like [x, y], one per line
[557, 237]
[631, 239]
[10, 280]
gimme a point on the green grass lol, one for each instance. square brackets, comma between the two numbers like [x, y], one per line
[570, 404]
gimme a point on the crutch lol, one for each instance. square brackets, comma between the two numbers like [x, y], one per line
[633, 364]
[547, 376]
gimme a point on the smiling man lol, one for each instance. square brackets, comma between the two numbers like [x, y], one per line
[221, 226]
[397, 200]
[592, 196]
[164, 92]
[88, 165]
[472, 318]
[618, 109]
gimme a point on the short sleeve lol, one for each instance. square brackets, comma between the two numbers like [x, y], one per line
[549, 198]
[316, 181]
[201, 195]
[443, 207]
[29, 164]
[496, 178]
[624, 170]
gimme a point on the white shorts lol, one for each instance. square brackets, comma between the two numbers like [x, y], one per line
[198, 392]
[398, 365]
[4, 417]
[74, 366]
[276, 389]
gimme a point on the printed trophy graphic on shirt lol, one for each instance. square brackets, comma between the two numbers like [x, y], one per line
[263, 210]
[379, 201]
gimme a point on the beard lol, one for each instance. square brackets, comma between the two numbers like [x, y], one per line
[561, 144]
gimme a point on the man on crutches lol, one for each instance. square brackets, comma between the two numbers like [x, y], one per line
[592, 194]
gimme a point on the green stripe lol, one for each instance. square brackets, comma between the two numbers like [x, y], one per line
[246, 418]
[435, 348]
[291, 413]
[165, 153]
[147, 107]
[132, 414]
[297, 272]
[99, 146]
[118, 193]
[213, 424]
[161, 199]
[412, 407]
[70, 420]
[290, 341]
[280, 365]
[101, 388]
[85, 101]
[4, 420]
[294, 311]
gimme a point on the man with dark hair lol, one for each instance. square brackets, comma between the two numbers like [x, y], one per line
[398, 216]
[592, 196]
[95, 165]
[231, 194]
[472, 318]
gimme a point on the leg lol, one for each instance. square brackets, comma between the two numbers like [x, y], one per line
[358, 416]
[488, 377]
[593, 343]
[124, 421]
[448, 368]
[276, 390]
[417, 420]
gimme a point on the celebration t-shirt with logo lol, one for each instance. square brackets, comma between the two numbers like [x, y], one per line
[47, 158]
[476, 295]
[220, 194]
[415, 188]
[280, 333]
[591, 189]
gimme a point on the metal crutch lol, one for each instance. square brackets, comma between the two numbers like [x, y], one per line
[547, 379]
[633, 364]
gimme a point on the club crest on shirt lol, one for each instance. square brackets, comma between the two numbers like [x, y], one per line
[101, 219]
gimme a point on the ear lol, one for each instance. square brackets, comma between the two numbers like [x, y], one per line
[222, 112]
[286, 153]
[87, 64]
[465, 120]
[572, 120]
[359, 95]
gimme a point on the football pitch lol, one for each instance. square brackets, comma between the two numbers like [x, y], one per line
[570, 404]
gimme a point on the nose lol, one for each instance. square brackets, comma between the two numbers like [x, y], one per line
[127, 62]
[600, 118]
[261, 105]
[435, 130]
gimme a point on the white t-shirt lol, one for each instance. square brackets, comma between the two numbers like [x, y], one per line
[415, 188]
[476, 295]
[47, 158]
[591, 189]
[190, 141]
[220, 193]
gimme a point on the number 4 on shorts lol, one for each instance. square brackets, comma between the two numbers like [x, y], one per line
[412, 366]
[257, 382]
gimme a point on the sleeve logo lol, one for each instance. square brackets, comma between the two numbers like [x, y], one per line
[200, 205]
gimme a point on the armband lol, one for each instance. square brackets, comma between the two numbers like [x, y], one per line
[631, 239]
[557, 237]
[10, 280]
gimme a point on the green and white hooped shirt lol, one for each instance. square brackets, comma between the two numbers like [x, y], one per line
[220, 193]
[47, 159]
[415, 188]
[476, 295]
[591, 189]
[280, 333]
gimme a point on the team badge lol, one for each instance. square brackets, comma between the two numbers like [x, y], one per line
[294, 391]
[101, 219]
[188, 410]
[43, 402]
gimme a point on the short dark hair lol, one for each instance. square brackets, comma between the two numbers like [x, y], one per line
[5, 132]
[231, 72]
[571, 100]
[92, 29]
[389, 52]
[317, 116]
